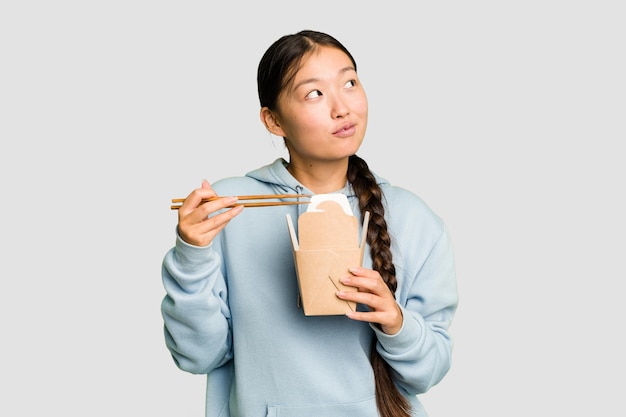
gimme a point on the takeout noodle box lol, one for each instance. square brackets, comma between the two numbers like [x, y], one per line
[326, 245]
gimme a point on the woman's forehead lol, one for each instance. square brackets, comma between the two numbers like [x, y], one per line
[323, 62]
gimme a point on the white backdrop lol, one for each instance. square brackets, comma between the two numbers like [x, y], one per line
[506, 117]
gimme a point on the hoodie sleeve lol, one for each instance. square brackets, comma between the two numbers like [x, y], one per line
[195, 309]
[420, 353]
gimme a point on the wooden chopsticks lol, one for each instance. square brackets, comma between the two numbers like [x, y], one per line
[179, 201]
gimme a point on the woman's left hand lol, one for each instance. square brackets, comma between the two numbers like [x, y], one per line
[374, 293]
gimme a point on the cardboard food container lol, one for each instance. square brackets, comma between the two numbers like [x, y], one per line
[327, 245]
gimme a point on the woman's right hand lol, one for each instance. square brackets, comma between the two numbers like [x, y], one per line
[194, 225]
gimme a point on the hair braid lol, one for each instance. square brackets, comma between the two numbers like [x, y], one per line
[390, 402]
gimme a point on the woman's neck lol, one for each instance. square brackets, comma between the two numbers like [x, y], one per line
[321, 178]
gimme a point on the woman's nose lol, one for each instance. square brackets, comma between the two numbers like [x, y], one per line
[339, 108]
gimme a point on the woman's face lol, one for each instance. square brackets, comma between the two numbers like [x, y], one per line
[323, 113]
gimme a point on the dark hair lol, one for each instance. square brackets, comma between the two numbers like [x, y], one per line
[276, 71]
[281, 62]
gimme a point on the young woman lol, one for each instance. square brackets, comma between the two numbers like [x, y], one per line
[231, 308]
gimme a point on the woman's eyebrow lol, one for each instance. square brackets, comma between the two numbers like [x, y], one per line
[313, 79]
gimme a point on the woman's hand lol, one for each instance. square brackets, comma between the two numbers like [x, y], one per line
[373, 292]
[194, 225]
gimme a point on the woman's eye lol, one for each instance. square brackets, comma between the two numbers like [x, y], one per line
[350, 83]
[314, 94]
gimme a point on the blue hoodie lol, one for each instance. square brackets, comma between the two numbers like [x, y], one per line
[231, 311]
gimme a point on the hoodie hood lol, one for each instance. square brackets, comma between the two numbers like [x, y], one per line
[277, 175]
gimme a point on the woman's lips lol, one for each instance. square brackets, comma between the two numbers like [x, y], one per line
[346, 130]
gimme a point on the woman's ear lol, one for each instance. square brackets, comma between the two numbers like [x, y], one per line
[268, 118]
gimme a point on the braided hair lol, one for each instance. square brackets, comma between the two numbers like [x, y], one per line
[389, 400]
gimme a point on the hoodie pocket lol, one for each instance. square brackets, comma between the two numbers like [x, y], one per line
[364, 408]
